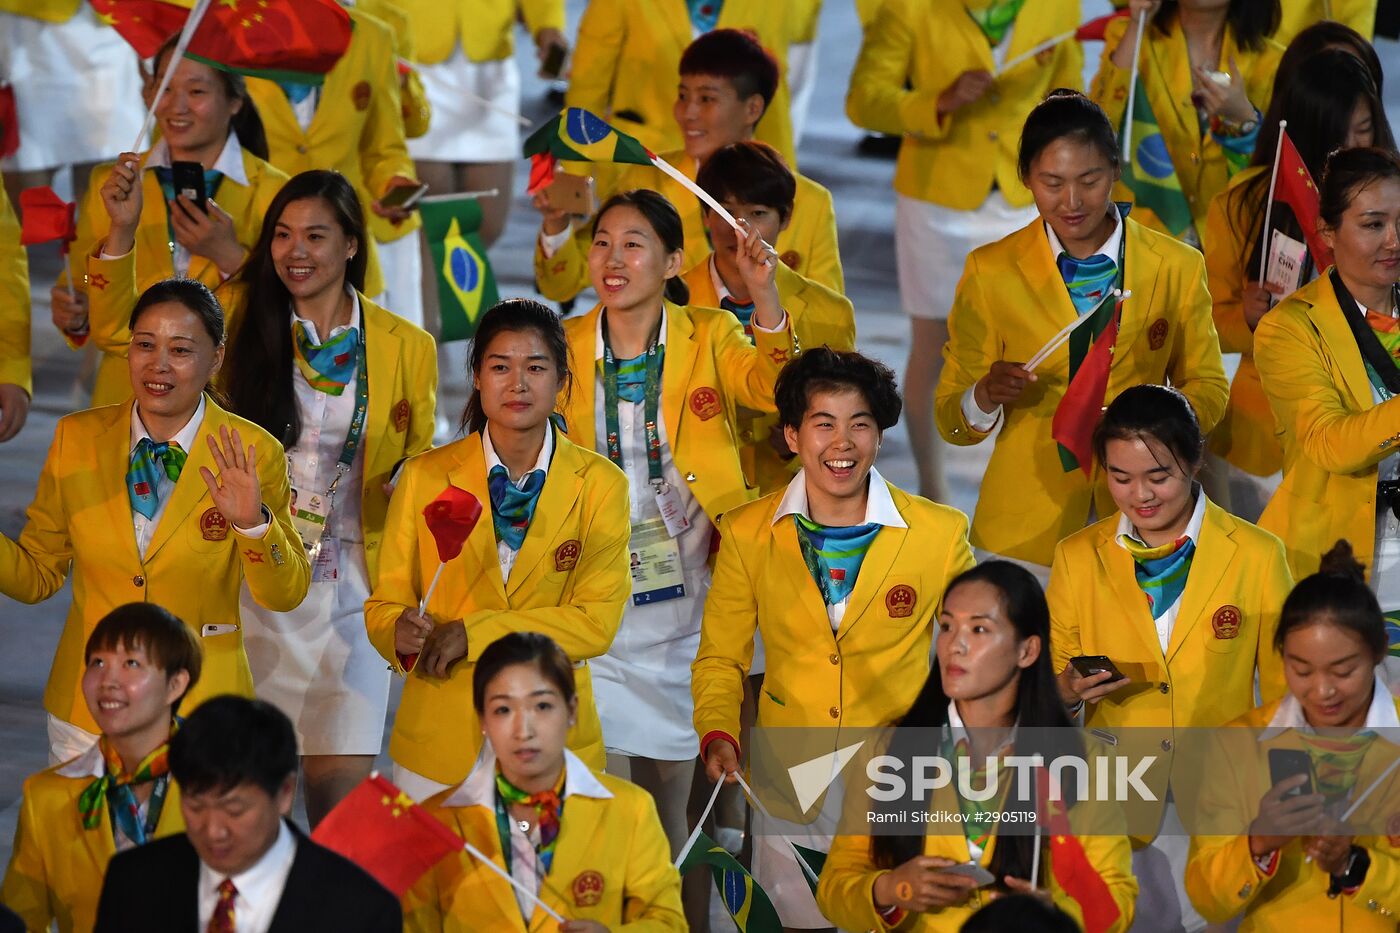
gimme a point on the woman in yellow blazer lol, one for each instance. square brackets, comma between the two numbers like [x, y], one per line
[133, 231]
[925, 74]
[992, 675]
[1209, 130]
[625, 45]
[352, 123]
[133, 520]
[550, 554]
[140, 661]
[1291, 862]
[1012, 300]
[842, 575]
[1329, 102]
[16, 373]
[591, 844]
[727, 83]
[349, 390]
[660, 399]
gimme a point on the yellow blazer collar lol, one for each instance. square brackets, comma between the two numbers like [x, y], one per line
[1328, 318]
[479, 788]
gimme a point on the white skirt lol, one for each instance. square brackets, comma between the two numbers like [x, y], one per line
[463, 127]
[932, 243]
[316, 664]
[401, 262]
[642, 685]
[77, 89]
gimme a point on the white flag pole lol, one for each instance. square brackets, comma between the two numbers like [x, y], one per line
[1132, 92]
[481, 857]
[703, 195]
[1269, 205]
[186, 34]
[423, 604]
[1034, 50]
[699, 824]
[763, 811]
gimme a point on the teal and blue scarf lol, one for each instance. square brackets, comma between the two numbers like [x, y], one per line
[834, 555]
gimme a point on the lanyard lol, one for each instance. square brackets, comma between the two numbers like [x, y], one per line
[651, 404]
[357, 421]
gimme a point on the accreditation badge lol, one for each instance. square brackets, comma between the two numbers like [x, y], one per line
[325, 563]
[309, 513]
[668, 503]
[656, 564]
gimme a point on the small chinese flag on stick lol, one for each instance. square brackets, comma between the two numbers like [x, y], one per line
[44, 217]
[1295, 187]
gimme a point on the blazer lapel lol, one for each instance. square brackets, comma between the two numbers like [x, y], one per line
[563, 488]
[682, 347]
[1117, 566]
[112, 453]
[796, 577]
[873, 570]
[677, 21]
[383, 350]
[1043, 278]
[1327, 317]
[581, 838]
[470, 474]
[190, 488]
[582, 399]
[1169, 66]
[1216, 549]
[1140, 277]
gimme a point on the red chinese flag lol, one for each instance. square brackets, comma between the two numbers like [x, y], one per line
[1094, 29]
[44, 217]
[1070, 865]
[144, 24]
[381, 829]
[1082, 406]
[9, 122]
[451, 518]
[1295, 188]
[288, 40]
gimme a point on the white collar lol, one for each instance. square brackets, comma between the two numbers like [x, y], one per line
[89, 764]
[879, 504]
[721, 290]
[958, 731]
[1193, 527]
[354, 320]
[229, 162]
[479, 789]
[541, 462]
[1108, 248]
[1289, 714]
[184, 437]
[598, 329]
[257, 883]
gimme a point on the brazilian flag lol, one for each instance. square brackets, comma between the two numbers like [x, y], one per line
[1392, 633]
[1150, 174]
[577, 135]
[815, 860]
[466, 284]
[746, 902]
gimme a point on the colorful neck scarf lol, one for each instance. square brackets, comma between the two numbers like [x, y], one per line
[1089, 280]
[834, 555]
[548, 805]
[704, 14]
[118, 787]
[1387, 331]
[1161, 571]
[978, 820]
[1336, 761]
[632, 376]
[148, 461]
[994, 17]
[743, 312]
[327, 366]
[296, 91]
[166, 177]
[512, 506]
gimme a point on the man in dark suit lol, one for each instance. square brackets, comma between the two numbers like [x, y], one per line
[241, 866]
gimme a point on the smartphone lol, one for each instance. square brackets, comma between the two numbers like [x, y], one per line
[405, 197]
[974, 871]
[1285, 763]
[572, 193]
[553, 66]
[188, 179]
[1090, 664]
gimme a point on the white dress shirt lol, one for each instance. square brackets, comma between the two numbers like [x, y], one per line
[983, 421]
[879, 509]
[259, 888]
[1167, 620]
[144, 527]
[504, 552]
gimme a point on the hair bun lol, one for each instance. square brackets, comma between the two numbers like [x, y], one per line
[1341, 561]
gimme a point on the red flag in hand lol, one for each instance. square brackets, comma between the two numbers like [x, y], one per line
[380, 828]
[542, 165]
[144, 24]
[9, 121]
[1094, 29]
[1070, 864]
[44, 216]
[1294, 187]
[1081, 407]
[451, 518]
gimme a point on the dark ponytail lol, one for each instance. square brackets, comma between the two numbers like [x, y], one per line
[246, 123]
[512, 316]
[662, 216]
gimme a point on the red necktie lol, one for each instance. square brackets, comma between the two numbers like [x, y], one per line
[222, 919]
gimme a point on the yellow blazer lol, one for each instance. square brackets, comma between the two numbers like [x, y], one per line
[56, 865]
[358, 128]
[1224, 882]
[808, 245]
[1334, 434]
[15, 366]
[1010, 302]
[53, 11]
[845, 892]
[1166, 77]
[820, 317]
[1246, 435]
[710, 370]
[864, 674]
[628, 56]
[1300, 14]
[113, 285]
[1238, 583]
[570, 581]
[80, 521]
[484, 28]
[913, 51]
[612, 865]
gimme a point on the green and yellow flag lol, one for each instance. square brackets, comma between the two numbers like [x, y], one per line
[466, 284]
[745, 901]
[1150, 174]
[577, 135]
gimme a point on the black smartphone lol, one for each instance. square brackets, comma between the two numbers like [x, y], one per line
[188, 179]
[1090, 664]
[405, 196]
[553, 66]
[1285, 763]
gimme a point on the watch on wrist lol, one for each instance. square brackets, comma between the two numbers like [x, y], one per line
[1352, 877]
